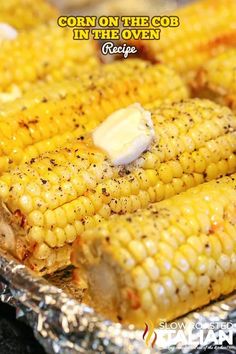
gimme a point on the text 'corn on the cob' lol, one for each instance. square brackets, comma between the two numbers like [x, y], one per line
[207, 27]
[48, 201]
[217, 79]
[25, 14]
[165, 261]
[44, 54]
[43, 120]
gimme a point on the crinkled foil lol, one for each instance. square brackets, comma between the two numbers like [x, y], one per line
[63, 324]
[54, 308]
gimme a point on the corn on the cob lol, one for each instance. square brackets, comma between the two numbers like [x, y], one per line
[44, 54]
[41, 122]
[217, 79]
[165, 261]
[207, 27]
[48, 201]
[25, 14]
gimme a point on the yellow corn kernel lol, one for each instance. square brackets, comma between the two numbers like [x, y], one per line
[195, 40]
[53, 114]
[187, 266]
[45, 195]
[216, 79]
[27, 14]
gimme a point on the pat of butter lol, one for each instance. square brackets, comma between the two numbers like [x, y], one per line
[125, 134]
[10, 96]
[7, 32]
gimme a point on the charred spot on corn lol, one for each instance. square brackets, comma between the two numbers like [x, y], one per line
[76, 194]
[173, 261]
[44, 131]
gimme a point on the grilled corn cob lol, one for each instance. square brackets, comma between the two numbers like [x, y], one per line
[165, 261]
[42, 121]
[25, 14]
[207, 27]
[44, 54]
[48, 201]
[217, 79]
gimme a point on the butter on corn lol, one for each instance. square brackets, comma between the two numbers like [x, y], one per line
[207, 28]
[11, 95]
[217, 79]
[50, 200]
[7, 32]
[165, 261]
[26, 14]
[51, 116]
[125, 134]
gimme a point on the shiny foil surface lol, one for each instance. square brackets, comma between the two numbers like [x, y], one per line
[63, 324]
[54, 308]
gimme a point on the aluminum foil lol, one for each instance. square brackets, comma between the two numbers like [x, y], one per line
[63, 324]
[54, 308]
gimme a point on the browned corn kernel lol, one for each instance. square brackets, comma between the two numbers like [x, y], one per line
[52, 199]
[165, 261]
[217, 79]
[207, 28]
[46, 119]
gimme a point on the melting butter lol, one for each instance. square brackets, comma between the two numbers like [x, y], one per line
[125, 134]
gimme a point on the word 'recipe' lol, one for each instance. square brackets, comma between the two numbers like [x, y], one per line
[111, 48]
